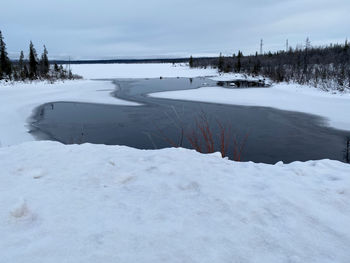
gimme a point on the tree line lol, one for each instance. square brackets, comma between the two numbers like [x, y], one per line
[31, 68]
[325, 67]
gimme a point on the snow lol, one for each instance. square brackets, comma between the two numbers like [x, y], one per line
[334, 108]
[17, 102]
[152, 70]
[95, 203]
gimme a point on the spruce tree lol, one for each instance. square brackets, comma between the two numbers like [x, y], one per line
[238, 65]
[25, 72]
[44, 63]
[33, 62]
[22, 67]
[257, 66]
[221, 63]
[306, 55]
[191, 62]
[21, 61]
[15, 74]
[5, 63]
[1, 48]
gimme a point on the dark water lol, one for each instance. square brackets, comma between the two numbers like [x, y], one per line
[273, 135]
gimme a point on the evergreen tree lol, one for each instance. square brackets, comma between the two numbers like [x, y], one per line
[62, 72]
[306, 55]
[33, 62]
[1, 70]
[191, 62]
[15, 74]
[70, 74]
[25, 73]
[238, 65]
[227, 68]
[22, 67]
[5, 63]
[257, 66]
[221, 63]
[21, 61]
[44, 63]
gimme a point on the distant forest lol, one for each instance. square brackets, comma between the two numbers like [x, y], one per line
[325, 67]
[31, 68]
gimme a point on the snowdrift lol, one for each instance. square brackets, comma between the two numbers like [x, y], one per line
[95, 203]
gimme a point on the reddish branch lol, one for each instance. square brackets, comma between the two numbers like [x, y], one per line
[202, 134]
[239, 147]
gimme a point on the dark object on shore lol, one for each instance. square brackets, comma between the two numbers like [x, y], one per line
[244, 84]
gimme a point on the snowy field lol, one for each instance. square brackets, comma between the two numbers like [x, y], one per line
[95, 203]
[334, 108]
[106, 71]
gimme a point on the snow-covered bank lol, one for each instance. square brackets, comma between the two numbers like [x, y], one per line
[94, 203]
[292, 97]
[156, 70]
[18, 101]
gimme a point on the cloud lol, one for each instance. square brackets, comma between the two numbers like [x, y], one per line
[111, 29]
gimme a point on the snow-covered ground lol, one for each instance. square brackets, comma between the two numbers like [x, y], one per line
[156, 70]
[94, 203]
[334, 108]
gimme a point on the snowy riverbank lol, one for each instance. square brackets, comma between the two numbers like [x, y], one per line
[94, 203]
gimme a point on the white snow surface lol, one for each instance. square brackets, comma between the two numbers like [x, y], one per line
[152, 70]
[95, 203]
[334, 108]
[18, 100]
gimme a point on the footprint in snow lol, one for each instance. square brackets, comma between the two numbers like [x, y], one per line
[21, 211]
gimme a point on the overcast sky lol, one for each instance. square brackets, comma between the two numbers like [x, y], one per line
[89, 29]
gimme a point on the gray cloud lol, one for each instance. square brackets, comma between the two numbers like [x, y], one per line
[113, 28]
